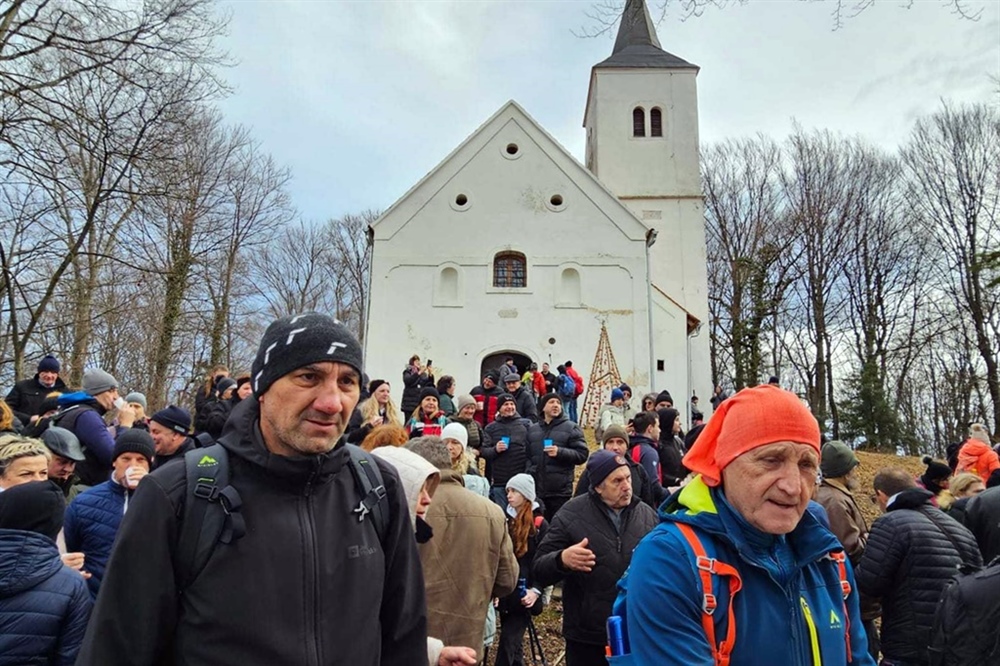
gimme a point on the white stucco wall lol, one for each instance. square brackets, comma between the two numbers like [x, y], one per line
[508, 207]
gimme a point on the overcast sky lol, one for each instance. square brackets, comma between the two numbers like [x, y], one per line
[362, 99]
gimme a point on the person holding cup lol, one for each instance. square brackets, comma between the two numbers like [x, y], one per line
[506, 448]
[92, 519]
[82, 413]
[558, 446]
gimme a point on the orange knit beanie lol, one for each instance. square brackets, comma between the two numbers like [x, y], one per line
[753, 417]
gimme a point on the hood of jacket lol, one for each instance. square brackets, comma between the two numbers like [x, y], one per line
[26, 559]
[414, 471]
[707, 508]
[242, 438]
[80, 398]
[910, 499]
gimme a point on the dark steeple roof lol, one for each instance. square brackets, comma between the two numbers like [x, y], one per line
[637, 45]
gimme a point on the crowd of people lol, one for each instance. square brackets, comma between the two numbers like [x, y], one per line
[299, 516]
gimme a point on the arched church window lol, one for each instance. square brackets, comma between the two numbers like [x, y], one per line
[449, 285]
[569, 287]
[638, 121]
[510, 270]
[655, 122]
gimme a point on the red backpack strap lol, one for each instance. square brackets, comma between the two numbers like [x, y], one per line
[538, 522]
[840, 558]
[637, 453]
[707, 567]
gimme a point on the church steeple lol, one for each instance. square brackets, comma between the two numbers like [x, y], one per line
[636, 27]
[637, 44]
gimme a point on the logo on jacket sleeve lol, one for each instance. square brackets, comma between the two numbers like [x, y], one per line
[835, 620]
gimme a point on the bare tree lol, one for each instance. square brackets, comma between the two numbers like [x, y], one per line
[294, 273]
[350, 244]
[953, 166]
[603, 16]
[750, 249]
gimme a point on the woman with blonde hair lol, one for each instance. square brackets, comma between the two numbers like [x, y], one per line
[6, 418]
[377, 410]
[22, 460]
[963, 487]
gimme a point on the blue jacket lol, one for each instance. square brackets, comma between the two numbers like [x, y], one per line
[790, 610]
[44, 606]
[90, 526]
[87, 424]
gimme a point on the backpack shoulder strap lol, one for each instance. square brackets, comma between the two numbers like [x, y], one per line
[636, 453]
[211, 511]
[368, 480]
[840, 558]
[708, 567]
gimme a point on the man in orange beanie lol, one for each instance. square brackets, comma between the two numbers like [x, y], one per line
[736, 548]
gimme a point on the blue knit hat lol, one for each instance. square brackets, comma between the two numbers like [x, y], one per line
[48, 364]
[617, 394]
[601, 464]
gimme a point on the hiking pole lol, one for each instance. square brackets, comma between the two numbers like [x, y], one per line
[537, 655]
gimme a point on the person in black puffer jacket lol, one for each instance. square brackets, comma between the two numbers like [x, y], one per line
[558, 446]
[504, 459]
[913, 551]
[44, 606]
[982, 517]
[613, 521]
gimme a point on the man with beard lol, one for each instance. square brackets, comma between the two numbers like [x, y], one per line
[836, 494]
[278, 594]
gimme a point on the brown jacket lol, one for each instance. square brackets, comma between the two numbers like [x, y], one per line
[850, 528]
[846, 521]
[467, 562]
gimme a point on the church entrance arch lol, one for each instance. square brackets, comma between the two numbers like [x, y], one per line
[496, 359]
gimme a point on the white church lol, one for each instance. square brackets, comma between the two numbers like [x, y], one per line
[539, 254]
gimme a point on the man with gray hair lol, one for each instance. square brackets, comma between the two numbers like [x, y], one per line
[470, 559]
[311, 578]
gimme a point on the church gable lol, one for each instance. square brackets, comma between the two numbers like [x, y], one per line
[508, 181]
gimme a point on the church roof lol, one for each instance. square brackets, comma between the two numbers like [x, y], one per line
[509, 115]
[637, 44]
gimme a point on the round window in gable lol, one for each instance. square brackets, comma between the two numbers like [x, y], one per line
[461, 202]
[556, 203]
[511, 151]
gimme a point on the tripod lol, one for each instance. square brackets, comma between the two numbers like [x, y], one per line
[537, 655]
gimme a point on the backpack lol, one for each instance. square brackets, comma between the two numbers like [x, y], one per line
[212, 508]
[966, 620]
[707, 567]
[566, 387]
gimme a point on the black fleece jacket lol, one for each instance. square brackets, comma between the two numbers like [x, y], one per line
[308, 584]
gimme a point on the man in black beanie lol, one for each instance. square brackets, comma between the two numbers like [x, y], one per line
[170, 429]
[311, 581]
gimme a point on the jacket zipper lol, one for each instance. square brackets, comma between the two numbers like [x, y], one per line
[817, 660]
[311, 577]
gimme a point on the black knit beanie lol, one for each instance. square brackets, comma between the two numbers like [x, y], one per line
[937, 472]
[133, 440]
[429, 392]
[292, 342]
[545, 399]
[33, 507]
[664, 396]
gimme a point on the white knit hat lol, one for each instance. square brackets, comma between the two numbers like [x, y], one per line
[524, 484]
[456, 431]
